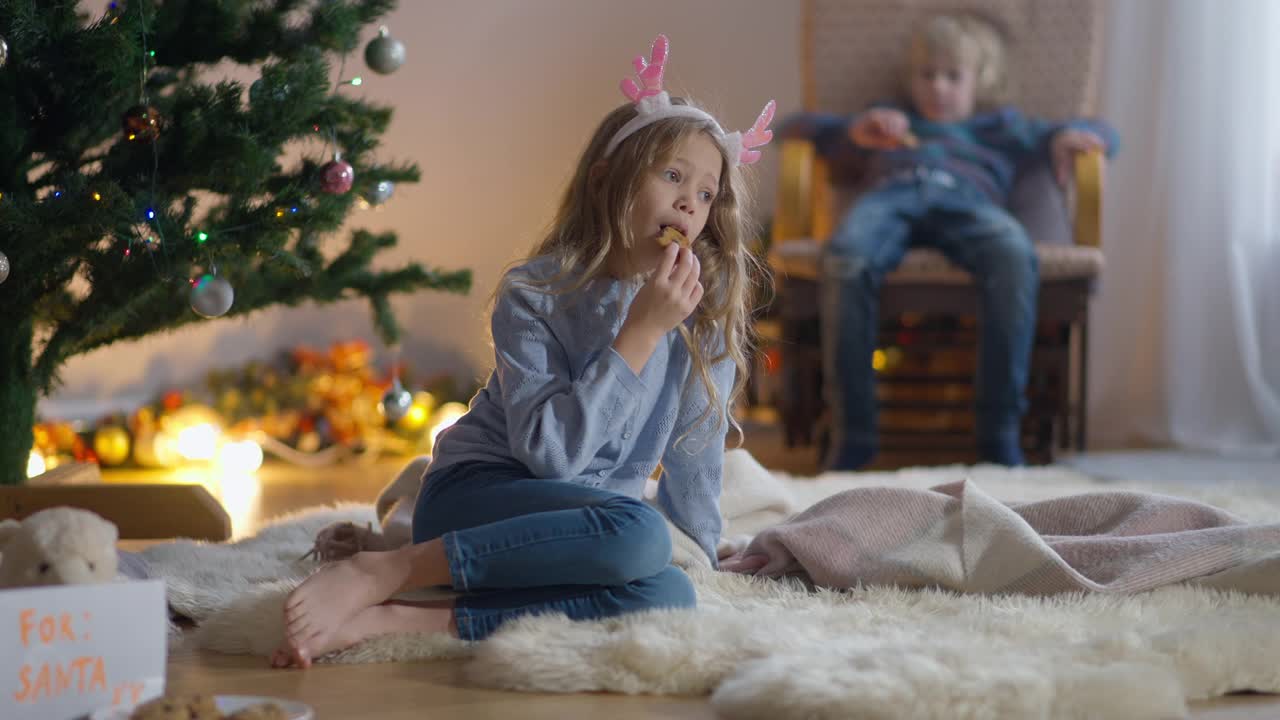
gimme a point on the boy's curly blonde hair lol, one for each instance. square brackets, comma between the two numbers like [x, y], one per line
[964, 37]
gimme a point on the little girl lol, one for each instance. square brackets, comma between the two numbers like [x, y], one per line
[614, 353]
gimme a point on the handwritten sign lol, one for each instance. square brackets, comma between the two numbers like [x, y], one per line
[70, 650]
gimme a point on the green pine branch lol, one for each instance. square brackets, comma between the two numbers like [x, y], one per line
[104, 317]
[104, 234]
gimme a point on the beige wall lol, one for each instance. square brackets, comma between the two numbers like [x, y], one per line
[495, 102]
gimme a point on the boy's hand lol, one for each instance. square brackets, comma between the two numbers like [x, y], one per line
[1064, 147]
[881, 129]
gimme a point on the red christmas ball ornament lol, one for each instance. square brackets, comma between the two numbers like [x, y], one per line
[337, 176]
[142, 122]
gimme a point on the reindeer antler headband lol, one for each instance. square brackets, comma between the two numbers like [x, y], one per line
[654, 104]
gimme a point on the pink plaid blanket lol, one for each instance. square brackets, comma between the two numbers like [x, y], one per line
[956, 536]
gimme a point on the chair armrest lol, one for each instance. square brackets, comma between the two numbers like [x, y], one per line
[1089, 169]
[803, 208]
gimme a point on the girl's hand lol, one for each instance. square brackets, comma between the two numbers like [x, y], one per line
[881, 129]
[1064, 147]
[667, 298]
[745, 564]
[670, 294]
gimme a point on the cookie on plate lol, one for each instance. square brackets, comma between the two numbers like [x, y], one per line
[262, 711]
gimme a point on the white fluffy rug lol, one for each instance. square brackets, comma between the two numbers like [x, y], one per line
[767, 649]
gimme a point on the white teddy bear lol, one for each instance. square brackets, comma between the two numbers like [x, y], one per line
[57, 546]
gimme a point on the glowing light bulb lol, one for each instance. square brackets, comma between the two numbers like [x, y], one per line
[198, 442]
[35, 464]
[244, 456]
[416, 417]
[239, 494]
[446, 416]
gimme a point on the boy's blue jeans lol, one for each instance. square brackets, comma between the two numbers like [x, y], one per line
[518, 545]
[974, 233]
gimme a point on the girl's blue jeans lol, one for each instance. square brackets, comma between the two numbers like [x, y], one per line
[518, 545]
[972, 232]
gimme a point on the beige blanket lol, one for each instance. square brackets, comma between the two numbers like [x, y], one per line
[956, 536]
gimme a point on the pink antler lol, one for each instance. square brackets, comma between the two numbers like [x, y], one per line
[758, 135]
[650, 73]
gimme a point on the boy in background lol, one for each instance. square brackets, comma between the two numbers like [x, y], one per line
[942, 167]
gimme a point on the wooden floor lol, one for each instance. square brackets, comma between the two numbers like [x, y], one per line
[435, 689]
[405, 691]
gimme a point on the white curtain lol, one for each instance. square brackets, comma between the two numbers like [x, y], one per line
[1186, 344]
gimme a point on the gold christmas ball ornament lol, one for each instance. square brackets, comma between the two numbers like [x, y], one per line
[445, 416]
[146, 449]
[111, 443]
[424, 404]
[309, 442]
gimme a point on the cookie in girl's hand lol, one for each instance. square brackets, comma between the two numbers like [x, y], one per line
[671, 235]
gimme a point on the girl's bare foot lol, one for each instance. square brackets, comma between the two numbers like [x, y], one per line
[391, 617]
[317, 609]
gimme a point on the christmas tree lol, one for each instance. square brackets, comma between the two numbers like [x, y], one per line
[142, 191]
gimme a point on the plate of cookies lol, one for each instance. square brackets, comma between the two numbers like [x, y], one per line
[210, 707]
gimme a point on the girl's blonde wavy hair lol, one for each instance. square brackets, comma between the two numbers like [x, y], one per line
[592, 224]
[966, 37]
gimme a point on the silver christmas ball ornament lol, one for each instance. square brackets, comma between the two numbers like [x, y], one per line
[4, 267]
[4, 52]
[381, 192]
[211, 296]
[396, 402]
[384, 54]
[262, 91]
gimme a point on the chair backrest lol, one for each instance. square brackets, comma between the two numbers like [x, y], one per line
[852, 51]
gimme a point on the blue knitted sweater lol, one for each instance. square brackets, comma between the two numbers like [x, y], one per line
[562, 403]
